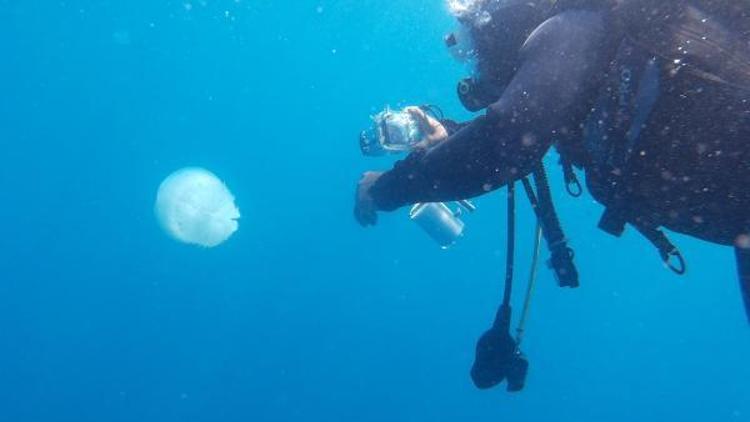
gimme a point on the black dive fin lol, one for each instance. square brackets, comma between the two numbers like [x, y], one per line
[743, 270]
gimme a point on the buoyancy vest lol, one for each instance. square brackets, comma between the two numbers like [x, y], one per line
[707, 39]
[672, 36]
[612, 131]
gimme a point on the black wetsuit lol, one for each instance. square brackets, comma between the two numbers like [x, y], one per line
[688, 168]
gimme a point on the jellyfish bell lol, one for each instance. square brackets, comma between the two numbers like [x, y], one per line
[196, 207]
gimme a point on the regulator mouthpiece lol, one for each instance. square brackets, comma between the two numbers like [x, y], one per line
[475, 96]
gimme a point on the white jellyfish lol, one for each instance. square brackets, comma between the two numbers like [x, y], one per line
[195, 207]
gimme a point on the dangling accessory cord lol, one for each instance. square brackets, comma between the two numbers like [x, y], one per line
[498, 356]
[521, 330]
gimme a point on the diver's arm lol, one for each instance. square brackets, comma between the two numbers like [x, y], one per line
[561, 62]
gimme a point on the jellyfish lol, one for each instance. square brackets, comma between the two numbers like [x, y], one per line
[196, 207]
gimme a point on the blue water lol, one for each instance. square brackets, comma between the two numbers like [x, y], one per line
[302, 315]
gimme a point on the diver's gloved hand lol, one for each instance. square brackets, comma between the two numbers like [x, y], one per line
[365, 211]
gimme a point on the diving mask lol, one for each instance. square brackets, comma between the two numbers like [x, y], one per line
[460, 45]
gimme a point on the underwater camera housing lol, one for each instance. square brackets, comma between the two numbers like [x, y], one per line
[395, 132]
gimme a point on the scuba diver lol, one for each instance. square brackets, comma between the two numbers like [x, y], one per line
[649, 98]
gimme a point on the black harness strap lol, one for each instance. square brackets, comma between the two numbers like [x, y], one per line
[561, 259]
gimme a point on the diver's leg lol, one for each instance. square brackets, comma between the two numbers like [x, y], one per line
[743, 270]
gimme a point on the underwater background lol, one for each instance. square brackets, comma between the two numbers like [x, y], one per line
[301, 315]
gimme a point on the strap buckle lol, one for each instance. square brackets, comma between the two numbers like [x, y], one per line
[674, 260]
